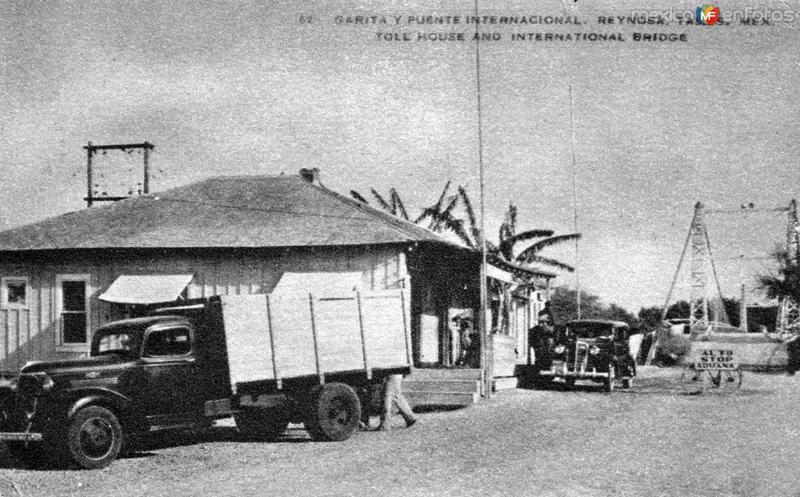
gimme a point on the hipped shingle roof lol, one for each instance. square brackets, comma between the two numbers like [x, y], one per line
[234, 211]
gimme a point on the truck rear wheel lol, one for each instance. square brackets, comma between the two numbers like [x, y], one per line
[333, 412]
[261, 424]
[94, 437]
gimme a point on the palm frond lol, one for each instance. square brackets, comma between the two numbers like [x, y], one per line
[397, 204]
[438, 205]
[384, 204]
[456, 226]
[452, 202]
[538, 259]
[357, 196]
[511, 217]
[553, 240]
[473, 223]
[507, 244]
[427, 214]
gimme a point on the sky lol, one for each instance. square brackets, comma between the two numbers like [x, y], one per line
[225, 88]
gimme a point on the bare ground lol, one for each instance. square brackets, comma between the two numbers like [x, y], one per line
[652, 440]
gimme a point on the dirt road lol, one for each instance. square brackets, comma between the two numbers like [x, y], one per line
[649, 441]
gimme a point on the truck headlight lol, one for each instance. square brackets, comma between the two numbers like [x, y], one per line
[594, 350]
[33, 384]
[46, 383]
[559, 349]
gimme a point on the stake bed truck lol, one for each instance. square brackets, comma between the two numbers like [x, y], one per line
[266, 360]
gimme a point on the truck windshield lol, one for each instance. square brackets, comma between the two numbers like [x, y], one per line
[116, 343]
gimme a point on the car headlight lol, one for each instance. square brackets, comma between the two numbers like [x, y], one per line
[594, 350]
[559, 349]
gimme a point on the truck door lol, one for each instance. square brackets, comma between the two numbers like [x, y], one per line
[173, 393]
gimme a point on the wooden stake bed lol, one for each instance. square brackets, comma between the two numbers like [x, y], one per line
[295, 336]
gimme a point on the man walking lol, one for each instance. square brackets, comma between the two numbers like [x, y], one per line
[393, 395]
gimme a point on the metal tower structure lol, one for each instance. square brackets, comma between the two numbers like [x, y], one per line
[705, 302]
[789, 310]
[698, 301]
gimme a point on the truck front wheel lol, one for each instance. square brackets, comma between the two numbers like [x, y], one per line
[94, 437]
[333, 412]
[261, 424]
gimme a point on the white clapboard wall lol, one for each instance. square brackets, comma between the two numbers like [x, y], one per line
[289, 335]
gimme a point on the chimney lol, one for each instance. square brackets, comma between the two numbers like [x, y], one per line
[311, 175]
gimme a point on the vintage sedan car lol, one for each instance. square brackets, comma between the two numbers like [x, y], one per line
[595, 350]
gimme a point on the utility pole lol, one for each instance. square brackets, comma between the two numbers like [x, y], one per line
[789, 310]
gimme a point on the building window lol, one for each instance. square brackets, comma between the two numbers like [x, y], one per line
[14, 290]
[72, 301]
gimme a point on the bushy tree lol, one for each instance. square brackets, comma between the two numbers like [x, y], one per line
[563, 302]
[785, 282]
[650, 317]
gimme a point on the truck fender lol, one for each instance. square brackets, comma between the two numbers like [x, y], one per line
[121, 405]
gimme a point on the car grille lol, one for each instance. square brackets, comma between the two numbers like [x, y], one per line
[578, 356]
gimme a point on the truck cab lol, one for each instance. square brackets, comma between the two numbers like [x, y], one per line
[142, 374]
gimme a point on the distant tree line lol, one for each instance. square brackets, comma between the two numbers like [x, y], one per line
[563, 303]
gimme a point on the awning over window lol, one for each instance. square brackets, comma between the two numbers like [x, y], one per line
[314, 282]
[498, 274]
[146, 289]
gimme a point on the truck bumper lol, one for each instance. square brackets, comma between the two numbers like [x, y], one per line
[16, 436]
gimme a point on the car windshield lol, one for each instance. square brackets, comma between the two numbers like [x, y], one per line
[116, 343]
[590, 330]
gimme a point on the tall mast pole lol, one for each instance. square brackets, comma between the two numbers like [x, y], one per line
[486, 351]
[575, 204]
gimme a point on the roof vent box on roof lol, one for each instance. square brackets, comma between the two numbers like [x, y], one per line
[310, 174]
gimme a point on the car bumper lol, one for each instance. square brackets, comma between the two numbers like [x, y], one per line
[559, 370]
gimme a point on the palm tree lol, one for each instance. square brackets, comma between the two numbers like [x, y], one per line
[437, 217]
[441, 216]
[510, 239]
